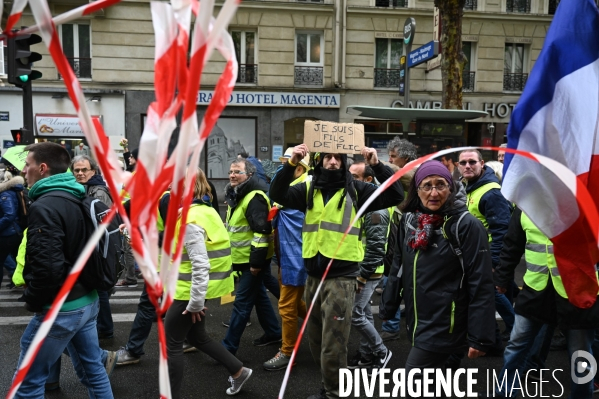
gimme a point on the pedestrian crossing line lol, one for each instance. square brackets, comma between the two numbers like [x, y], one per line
[24, 320]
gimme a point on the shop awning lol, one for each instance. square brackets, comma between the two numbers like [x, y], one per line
[411, 113]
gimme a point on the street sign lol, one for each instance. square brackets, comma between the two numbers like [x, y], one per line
[402, 75]
[422, 54]
[4, 116]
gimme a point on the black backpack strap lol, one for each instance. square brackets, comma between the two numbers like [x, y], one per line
[454, 240]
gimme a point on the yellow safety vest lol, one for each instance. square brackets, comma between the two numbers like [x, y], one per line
[540, 261]
[325, 225]
[159, 221]
[17, 277]
[474, 198]
[241, 235]
[219, 255]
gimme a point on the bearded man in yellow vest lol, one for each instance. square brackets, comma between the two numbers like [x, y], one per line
[487, 204]
[542, 300]
[330, 202]
[252, 248]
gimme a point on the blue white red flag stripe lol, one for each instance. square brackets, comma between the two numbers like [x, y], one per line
[557, 116]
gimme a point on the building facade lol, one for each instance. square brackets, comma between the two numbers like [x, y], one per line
[298, 60]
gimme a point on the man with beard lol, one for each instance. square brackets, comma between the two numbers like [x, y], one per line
[330, 202]
[252, 248]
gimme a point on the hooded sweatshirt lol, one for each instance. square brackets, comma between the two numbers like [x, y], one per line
[54, 242]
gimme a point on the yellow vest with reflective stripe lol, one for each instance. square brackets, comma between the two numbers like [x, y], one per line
[325, 225]
[219, 255]
[17, 277]
[540, 261]
[474, 198]
[241, 235]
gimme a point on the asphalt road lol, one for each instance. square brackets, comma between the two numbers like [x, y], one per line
[205, 378]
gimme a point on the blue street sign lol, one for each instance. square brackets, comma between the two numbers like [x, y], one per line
[422, 54]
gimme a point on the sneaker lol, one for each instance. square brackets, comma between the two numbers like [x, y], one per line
[279, 362]
[187, 347]
[322, 394]
[378, 291]
[111, 361]
[358, 362]
[237, 383]
[389, 336]
[380, 361]
[125, 284]
[125, 357]
[227, 323]
[264, 340]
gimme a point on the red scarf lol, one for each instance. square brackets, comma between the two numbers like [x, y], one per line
[426, 224]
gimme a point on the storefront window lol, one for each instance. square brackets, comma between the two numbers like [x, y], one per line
[294, 131]
[229, 137]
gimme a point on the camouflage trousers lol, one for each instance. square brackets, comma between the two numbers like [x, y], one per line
[329, 326]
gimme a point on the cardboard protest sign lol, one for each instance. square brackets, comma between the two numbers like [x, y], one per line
[339, 138]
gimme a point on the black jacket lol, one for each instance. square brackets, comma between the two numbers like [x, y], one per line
[495, 208]
[295, 197]
[545, 306]
[437, 274]
[376, 227]
[256, 215]
[54, 242]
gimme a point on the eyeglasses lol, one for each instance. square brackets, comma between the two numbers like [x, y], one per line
[82, 170]
[427, 188]
[470, 162]
[237, 172]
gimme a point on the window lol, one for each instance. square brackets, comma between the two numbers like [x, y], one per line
[522, 6]
[514, 77]
[309, 56]
[468, 74]
[471, 5]
[386, 69]
[2, 58]
[389, 3]
[76, 44]
[245, 49]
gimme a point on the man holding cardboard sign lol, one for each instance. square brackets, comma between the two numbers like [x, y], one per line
[330, 202]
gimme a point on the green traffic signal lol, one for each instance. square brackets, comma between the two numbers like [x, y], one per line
[24, 78]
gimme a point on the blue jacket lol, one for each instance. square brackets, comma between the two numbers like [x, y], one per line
[259, 168]
[496, 210]
[9, 206]
[288, 223]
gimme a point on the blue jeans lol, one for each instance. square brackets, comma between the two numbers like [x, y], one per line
[540, 348]
[518, 349]
[505, 310]
[142, 325]
[75, 329]
[250, 292]
[54, 375]
[362, 320]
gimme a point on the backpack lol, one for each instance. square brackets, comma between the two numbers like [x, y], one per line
[103, 265]
[24, 203]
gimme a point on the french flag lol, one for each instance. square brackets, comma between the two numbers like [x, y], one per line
[558, 116]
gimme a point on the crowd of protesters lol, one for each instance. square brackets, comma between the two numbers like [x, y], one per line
[440, 246]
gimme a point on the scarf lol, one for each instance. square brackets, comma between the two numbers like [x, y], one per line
[426, 224]
[61, 181]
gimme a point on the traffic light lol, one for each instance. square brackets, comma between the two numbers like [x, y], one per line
[22, 136]
[21, 58]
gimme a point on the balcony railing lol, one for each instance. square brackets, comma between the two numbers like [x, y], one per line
[389, 3]
[468, 81]
[386, 77]
[81, 66]
[553, 6]
[522, 6]
[471, 5]
[248, 73]
[308, 76]
[514, 81]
